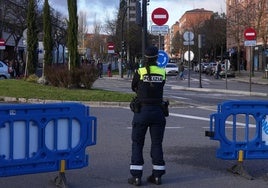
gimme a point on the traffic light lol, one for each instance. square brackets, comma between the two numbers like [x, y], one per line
[123, 45]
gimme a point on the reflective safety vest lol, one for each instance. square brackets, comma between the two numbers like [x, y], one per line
[150, 88]
[157, 74]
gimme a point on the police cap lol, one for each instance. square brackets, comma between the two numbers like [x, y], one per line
[151, 52]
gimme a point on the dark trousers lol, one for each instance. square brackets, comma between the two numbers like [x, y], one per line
[151, 117]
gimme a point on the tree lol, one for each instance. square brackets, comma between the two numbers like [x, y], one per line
[214, 31]
[72, 34]
[48, 42]
[82, 28]
[241, 15]
[32, 40]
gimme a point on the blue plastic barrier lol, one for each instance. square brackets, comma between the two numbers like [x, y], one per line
[37, 138]
[240, 126]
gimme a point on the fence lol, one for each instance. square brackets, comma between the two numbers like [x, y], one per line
[37, 138]
[241, 127]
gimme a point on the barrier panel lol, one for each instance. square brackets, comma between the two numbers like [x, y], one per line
[37, 138]
[241, 127]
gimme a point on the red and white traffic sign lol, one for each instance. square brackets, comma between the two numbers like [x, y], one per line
[2, 44]
[160, 16]
[250, 34]
[110, 47]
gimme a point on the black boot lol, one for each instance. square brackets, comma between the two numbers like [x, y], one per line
[154, 180]
[134, 181]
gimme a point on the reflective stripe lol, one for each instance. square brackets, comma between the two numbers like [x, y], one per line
[136, 167]
[156, 167]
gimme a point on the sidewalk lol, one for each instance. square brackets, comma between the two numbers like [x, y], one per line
[257, 78]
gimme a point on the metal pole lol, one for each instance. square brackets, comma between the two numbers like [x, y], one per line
[159, 42]
[189, 59]
[250, 67]
[122, 40]
[144, 27]
[199, 58]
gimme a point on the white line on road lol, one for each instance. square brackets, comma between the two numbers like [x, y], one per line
[208, 119]
[189, 117]
[166, 127]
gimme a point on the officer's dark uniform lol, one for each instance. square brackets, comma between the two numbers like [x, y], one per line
[149, 89]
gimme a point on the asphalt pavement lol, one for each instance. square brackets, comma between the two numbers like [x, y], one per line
[242, 76]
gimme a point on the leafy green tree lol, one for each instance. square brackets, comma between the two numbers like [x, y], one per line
[72, 34]
[48, 42]
[32, 40]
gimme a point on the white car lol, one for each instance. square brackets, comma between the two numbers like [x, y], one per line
[172, 69]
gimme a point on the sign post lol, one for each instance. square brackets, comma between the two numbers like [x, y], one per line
[110, 47]
[160, 17]
[188, 36]
[2, 44]
[250, 40]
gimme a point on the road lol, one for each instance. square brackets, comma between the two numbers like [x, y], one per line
[189, 155]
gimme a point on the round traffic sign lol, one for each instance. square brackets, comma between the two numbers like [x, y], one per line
[110, 46]
[162, 59]
[250, 34]
[2, 42]
[188, 36]
[160, 16]
[186, 56]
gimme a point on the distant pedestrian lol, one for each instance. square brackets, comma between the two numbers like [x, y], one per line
[218, 70]
[181, 71]
[100, 68]
[109, 70]
[130, 69]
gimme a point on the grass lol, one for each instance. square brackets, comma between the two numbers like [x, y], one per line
[23, 89]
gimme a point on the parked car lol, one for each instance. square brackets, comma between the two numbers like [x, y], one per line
[172, 69]
[4, 71]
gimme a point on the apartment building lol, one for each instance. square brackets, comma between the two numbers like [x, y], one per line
[168, 40]
[190, 20]
[242, 14]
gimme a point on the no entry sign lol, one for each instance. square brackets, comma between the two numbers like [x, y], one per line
[250, 34]
[110, 47]
[160, 16]
[2, 44]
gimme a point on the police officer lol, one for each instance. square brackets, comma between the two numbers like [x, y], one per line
[148, 82]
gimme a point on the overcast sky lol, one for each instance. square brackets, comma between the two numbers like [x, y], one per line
[100, 10]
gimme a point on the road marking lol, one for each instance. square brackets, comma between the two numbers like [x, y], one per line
[189, 117]
[165, 127]
[208, 119]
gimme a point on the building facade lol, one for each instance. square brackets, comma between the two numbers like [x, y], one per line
[190, 21]
[243, 14]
